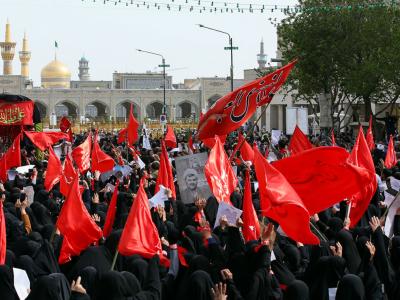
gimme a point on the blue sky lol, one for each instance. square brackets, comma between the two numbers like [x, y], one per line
[108, 35]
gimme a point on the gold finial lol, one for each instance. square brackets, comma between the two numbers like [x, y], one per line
[8, 32]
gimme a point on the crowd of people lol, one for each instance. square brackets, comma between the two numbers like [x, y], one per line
[205, 262]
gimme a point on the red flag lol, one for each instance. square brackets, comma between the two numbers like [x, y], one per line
[140, 235]
[299, 142]
[231, 111]
[266, 152]
[165, 176]
[76, 225]
[81, 154]
[10, 159]
[122, 136]
[333, 137]
[170, 138]
[67, 176]
[210, 143]
[101, 161]
[251, 226]
[280, 202]
[219, 173]
[132, 130]
[112, 209]
[245, 149]
[190, 143]
[391, 158]
[370, 135]
[65, 124]
[3, 238]
[53, 171]
[361, 157]
[322, 176]
[43, 140]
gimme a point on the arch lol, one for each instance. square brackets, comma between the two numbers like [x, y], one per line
[66, 108]
[186, 110]
[42, 109]
[96, 110]
[122, 110]
[212, 100]
[154, 110]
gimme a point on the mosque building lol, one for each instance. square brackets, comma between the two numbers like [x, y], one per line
[110, 100]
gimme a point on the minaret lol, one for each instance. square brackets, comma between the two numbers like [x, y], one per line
[25, 57]
[84, 69]
[7, 51]
[261, 57]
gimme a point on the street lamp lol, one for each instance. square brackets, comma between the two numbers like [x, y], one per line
[231, 48]
[163, 65]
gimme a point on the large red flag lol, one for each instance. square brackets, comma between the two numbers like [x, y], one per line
[122, 136]
[3, 238]
[81, 154]
[299, 142]
[53, 171]
[44, 140]
[280, 202]
[361, 157]
[190, 143]
[112, 209]
[170, 138]
[370, 135]
[231, 111]
[76, 225]
[219, 173]
[322, 176]
[132, 130]
[165, 176]
[10, 159]
[140, 235]
[65, 124]
[245, 149]
[67, 176]
[101, 161]
[391, 158]
[251, 226]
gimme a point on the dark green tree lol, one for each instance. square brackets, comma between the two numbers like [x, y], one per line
[347, 54]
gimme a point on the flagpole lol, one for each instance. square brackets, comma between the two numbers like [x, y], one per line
[321, 235]
[114, 260]
[250, 130]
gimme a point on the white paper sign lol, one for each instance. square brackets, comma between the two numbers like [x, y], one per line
[146, 143]
[30, 193]
[388, 198]
[110, 187]
[159, 197]
[24, 169]
[231, 213]
[21, 283]
[140, 162]
[11, 174]
[275, 136]
[394, 183]
[390, 217]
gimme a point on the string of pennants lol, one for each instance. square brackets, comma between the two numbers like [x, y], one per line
[209, 6]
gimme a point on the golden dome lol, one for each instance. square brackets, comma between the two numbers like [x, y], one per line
[56, 75]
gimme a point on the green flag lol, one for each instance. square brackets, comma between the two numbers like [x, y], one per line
[56, 44]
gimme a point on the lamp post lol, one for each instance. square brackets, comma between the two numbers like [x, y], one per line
[163, 65]
[231, 48]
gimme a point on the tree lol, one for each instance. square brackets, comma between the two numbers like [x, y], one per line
[347, 54]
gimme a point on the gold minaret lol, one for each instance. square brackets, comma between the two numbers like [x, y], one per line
[7, 51]
[25, 57]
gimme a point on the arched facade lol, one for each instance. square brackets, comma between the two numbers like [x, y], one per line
[186, 111]
[66, 108]
[97, 110]
[122, 111]
[212, 100]
[154, 110]
[42, 109]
